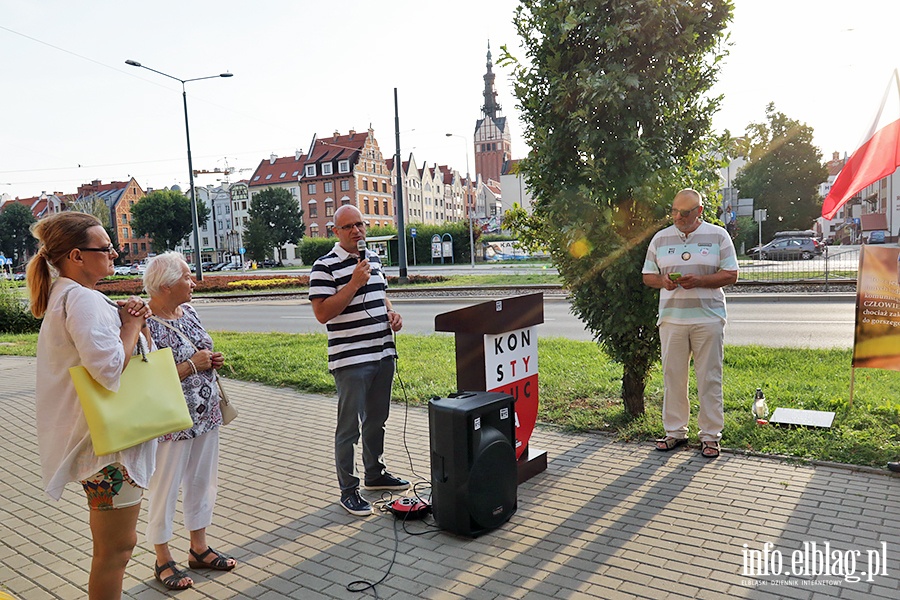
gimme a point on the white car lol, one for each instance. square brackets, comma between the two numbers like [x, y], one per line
[122, 270]
[137, 269]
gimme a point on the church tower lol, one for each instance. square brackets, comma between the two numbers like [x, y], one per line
[492, 137]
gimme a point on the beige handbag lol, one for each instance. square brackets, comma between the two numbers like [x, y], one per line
[229, 412]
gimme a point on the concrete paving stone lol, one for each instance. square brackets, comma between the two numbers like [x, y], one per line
[599, 502]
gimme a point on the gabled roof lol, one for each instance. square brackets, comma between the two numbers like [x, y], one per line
[500, 122]
[510, 167]
[337, 147]
[447, 172]
[110, 192]
[282, 170]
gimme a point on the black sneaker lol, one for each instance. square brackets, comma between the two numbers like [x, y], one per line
[388, 482]
[354, 504]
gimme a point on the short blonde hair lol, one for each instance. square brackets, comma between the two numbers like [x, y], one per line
[162, 270]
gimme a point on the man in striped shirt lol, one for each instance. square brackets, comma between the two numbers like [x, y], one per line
[690, 262]
[347, 290]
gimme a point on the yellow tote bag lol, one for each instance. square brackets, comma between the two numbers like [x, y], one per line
[149, 403]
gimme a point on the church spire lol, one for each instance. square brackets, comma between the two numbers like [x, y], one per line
[490, 108]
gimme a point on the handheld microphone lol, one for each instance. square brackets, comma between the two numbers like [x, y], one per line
[361, 248]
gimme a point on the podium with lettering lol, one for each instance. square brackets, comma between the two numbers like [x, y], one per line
[496, 351]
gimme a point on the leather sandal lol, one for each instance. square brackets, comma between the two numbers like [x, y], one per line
[173, 581]
[709, 449]
[669, 443]
[219, 563]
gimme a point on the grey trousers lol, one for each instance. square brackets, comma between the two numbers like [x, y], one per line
[364, 401]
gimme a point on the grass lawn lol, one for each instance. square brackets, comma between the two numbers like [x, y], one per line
[580, 386]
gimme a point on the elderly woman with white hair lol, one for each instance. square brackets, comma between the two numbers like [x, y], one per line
[189, 459]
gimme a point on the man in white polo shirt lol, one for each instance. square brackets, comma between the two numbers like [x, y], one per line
[690, 262]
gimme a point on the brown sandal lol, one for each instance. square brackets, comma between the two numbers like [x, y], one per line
[173, 581]
[709, 449]
[219, 563]
[669, 443]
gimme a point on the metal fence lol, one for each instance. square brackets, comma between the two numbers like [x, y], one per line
[837, 264]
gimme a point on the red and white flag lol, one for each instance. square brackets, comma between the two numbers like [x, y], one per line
[877, 157]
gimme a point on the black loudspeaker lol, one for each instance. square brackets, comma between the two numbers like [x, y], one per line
[473, 461]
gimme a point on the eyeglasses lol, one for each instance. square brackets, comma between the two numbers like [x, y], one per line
[108, 249]
[350, 226]
[684, 213]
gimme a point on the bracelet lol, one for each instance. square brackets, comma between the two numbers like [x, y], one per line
[391, 310]
[193, 366]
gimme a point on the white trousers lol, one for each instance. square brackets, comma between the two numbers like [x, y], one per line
[192, 466]
[706, 343]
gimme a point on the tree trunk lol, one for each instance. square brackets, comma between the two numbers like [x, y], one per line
[634, 381]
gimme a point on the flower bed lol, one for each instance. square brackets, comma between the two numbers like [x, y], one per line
[122, 286]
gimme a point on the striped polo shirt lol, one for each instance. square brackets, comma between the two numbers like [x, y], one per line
[361, 333]
[706, 250]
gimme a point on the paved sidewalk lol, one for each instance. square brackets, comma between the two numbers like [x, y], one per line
[607, 520]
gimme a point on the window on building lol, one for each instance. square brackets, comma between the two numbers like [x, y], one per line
[125, 232]
[384, 186]
[326, 168]
[386, 207]
[295, 173]
[244, 205]
[310, 171]
[311, 188]
[345, 200]
[328, 187]
[365, 183]
[329, 208]
[345, 185]
[365, 206]
[376, 207]
[313, 209]
[344, 166]
[268, 177]
[283, 175]
[134, 247]
[124, 218]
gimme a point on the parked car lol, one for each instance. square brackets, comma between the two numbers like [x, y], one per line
[122, 270]
[269, 263]
[231, 267]
[876, 237]
[137, 269]
[785, 248]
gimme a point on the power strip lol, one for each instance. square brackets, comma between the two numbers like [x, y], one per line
[409, 508]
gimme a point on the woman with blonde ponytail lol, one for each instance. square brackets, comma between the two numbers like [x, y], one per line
[82, 327]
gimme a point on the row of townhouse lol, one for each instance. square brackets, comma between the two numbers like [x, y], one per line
[116, 197]
[350, 169]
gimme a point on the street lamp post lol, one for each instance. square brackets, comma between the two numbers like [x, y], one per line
[187, 131]
[468, 210]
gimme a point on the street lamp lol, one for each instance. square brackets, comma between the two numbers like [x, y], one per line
[187, 131]
[468, 185]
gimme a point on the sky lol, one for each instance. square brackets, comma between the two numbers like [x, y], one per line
[72, 111]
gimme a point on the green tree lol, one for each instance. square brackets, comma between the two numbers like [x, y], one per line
[783, 172]
[275, 219]
[16, 240]
[165, 216]
[614, 99]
